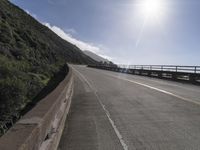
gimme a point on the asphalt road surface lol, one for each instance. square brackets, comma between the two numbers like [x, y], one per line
[116, 111]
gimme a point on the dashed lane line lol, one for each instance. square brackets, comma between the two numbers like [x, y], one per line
[125, 147]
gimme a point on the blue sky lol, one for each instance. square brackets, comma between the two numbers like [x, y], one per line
[117, 28]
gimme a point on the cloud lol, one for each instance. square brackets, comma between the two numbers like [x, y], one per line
[71, 31]
[68, 37]
[106, 57]
[66, 34]
[31, 14]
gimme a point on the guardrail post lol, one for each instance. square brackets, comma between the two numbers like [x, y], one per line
[195, 69]
[133, 72]
[192, 78]
[159, 74]
[149, 73]
[174, 76]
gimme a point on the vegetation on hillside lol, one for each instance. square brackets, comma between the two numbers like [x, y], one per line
[30, 55]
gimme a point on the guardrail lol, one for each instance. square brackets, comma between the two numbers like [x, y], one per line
[186, 69]
[183, 73]
[41, 128]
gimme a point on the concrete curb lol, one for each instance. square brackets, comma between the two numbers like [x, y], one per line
[41, 128]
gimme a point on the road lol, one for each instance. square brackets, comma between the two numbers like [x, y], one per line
[116, 111]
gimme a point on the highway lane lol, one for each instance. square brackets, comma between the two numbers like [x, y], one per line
[119, 111]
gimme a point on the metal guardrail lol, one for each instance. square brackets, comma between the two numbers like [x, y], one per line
[184, 73]
[172, 68]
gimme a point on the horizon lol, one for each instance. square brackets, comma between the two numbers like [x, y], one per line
[157, 33]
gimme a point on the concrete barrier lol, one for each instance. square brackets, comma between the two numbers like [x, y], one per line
[41, 128]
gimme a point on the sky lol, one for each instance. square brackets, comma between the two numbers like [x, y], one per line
[137, 32]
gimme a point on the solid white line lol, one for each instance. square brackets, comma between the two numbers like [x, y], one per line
[154, 88]
[125, 147]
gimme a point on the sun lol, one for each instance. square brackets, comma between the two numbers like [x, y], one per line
[151, 8]
[152, 13]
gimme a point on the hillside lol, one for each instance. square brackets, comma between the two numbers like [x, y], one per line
[95, 56]
[30, 55]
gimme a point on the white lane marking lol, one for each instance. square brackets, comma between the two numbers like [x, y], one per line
[125, 147]
[154, 88]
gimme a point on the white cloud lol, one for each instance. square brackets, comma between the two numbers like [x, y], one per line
[68, 37]
[106, 57]
[31, 14]
[80, 44]
[71, 31]
[27, 11]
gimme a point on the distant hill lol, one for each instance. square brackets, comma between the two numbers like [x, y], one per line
[30, 55]
[95, 56]
[23, 37]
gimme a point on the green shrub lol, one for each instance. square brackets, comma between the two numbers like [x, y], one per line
[30, 57]
[5, 33]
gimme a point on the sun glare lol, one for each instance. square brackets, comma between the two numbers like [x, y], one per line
[151, 8]
[152, 12]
